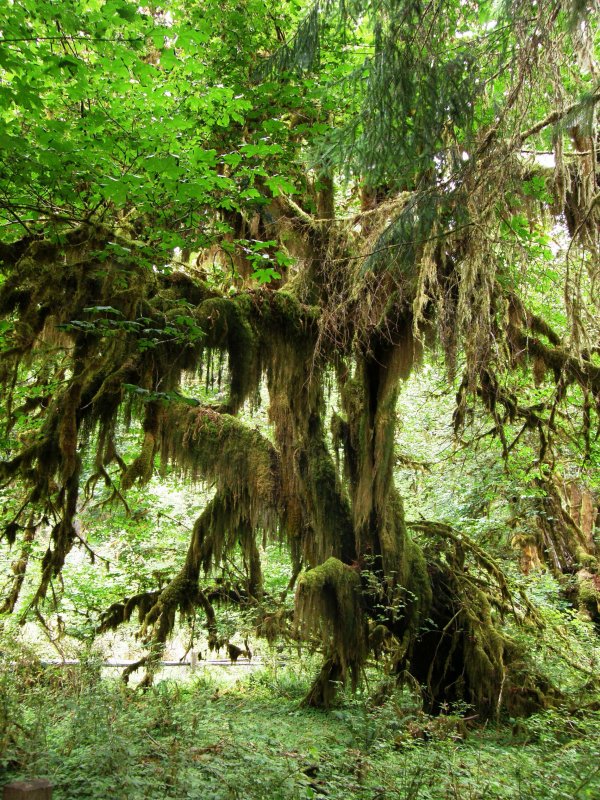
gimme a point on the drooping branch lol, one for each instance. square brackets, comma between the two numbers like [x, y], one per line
[559, 360]
[559, 115]
[222, 450]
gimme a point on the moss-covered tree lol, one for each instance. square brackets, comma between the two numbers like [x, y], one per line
[127, 277]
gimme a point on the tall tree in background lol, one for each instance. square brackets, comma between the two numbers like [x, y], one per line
[172, 189]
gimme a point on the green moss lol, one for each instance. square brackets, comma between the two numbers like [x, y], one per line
[418, 582]
[228, 324]
[284, 311]
[588, 591]
[329, 607]
[217, 447]
[331, 573]
[142, 467]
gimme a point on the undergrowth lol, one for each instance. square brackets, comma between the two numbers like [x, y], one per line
[251, 740]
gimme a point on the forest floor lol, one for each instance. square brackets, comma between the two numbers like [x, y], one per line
[250, 739]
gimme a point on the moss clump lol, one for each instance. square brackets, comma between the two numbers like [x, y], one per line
[588, 593]
[283, 312]
[218, 448]
[228, 323]
[329, 607]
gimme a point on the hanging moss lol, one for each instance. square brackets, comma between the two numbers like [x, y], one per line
[228, 325]
[217, 447]
[328, 606]
[213, 534]
[274, 626]
[315, 514]
[215, 531]
[142, 467]
[462, 654]
[19, 567]
[118, 613]
[252, 561]
[219, 530]
[64, 533]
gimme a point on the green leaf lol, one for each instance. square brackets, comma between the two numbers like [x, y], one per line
[103, 310]
[278, 184]
[265, 275]
[168, 59]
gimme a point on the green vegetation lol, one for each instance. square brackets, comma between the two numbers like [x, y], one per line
[300, 348]
[251, 739]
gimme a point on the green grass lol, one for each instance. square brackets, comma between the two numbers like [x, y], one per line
[251, 740]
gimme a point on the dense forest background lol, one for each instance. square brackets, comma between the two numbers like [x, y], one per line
[300, 358]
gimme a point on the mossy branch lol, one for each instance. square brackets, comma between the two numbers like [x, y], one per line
[466, 544]
[329, 606]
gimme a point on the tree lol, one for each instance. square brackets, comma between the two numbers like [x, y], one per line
[193, 206]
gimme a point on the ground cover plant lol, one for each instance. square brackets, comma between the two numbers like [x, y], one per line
[300, 344]
[251, 738]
